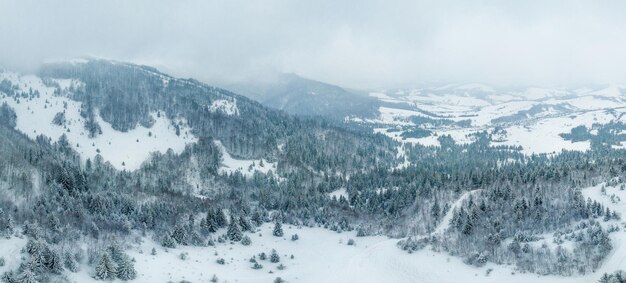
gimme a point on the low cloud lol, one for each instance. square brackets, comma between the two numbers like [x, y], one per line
[359, 44]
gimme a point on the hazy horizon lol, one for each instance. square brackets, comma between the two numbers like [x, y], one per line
[367, 46]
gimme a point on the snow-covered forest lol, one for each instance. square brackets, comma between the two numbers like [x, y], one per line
[115, 171]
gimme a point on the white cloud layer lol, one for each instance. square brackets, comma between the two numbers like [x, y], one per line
[360, 44]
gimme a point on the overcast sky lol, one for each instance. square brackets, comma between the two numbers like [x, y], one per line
[359, 44]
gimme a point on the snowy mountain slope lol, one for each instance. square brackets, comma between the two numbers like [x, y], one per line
[304, 97]
[124, 150]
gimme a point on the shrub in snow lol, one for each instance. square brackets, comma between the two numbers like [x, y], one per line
[616, 277]
[351, 242]
[262, 256]
[221, 261]
[281, 267]
[476, 259]
[2, 262]
[294, 237]
[246, 241]
[257, 265]
[214, 279]
[274, 257]
[411, 244]
[279, 280]
[153, 252]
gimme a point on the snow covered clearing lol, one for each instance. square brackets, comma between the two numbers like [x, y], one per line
[10, 252]
[226, 107]
[338, 193]
[247, 167]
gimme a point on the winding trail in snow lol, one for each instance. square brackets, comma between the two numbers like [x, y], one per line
[445, 221]
[616, 260]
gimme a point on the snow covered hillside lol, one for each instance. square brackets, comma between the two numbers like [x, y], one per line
[533, 118]
[46, 108]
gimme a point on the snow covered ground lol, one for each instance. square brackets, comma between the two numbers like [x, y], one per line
[532, 118]
[322, 255]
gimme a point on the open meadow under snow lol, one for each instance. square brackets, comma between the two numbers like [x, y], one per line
[533, 118]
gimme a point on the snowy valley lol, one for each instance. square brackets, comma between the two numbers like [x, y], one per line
[159, 179]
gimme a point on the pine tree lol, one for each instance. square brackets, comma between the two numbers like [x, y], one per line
[220, 218]
[27, 276]
[212, 225]
[180, 235]
[168, 242]
[234, 232]
[126, 269]
[245, 224]
[70, 263]
[278, 230]
[105, 270]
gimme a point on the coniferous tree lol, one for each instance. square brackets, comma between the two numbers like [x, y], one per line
[168, 242]
[234, 232]
[105, 270]
[126, 269]
[27, 276]
[220, 218]
[278, 230]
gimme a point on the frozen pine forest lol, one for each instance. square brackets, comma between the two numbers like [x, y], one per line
[312, 141]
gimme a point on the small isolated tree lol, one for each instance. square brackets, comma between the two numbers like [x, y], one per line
[278, 230]
[246, 241]
[153, 252]
[257, 265]
[214, 279]
[262, 256]
[279, 280]
[294, 237]
[274, 257]
[105, 270]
